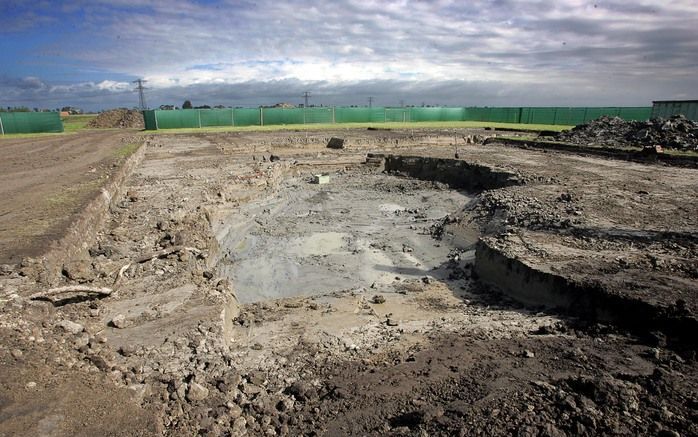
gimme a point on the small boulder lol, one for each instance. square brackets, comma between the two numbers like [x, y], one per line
[196, 392]
[71, 327]
[335, 143]
[119, 321]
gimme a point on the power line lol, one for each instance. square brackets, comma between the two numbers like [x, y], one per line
[141, 96]
[306, 95]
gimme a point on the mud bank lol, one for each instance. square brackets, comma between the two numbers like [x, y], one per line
[533, 283]
[456, 173]
[585, 299]
[81, 234]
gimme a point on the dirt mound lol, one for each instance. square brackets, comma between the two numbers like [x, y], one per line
[677, 132]
[118, 118]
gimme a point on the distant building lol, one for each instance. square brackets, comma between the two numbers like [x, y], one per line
[71, 110]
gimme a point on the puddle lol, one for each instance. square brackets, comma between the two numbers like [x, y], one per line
[358, 230]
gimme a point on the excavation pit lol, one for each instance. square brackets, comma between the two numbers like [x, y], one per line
[360, 230]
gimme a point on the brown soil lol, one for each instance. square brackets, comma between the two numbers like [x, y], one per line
[118, 118]
[446, 354]
[46, 181]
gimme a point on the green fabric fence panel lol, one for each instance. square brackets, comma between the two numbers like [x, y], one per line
[359, 115]
[437, 114]
[184, 118]
[637, 113]
[246, 117]
[192, 118]
[594, 113]
[318, 115]
[149, 120]
[216, 117]
[30, 122]
[476, 114]
[276, 116]
[397, 115]
[668, 108]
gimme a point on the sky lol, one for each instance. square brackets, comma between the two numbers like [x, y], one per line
[441, 52]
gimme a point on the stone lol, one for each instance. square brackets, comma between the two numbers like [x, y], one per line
[30, 384]
[82, 340]
[251, 389]
[71, 327]
[234, 410]
[335, 143]
[127, 350]
[79, 271]
[239, 426]
[378, 299]
[119, 321]
[302, 391]
[99, 362]
[196, 392]
[528, 354]
[16, 354]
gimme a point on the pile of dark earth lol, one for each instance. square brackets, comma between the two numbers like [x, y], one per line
[118, 118]
[676, 132]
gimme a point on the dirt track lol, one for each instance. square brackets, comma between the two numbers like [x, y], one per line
[45, 182]
[438, 353]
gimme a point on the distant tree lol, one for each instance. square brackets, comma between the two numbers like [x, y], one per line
[186, 105]
[15, 109]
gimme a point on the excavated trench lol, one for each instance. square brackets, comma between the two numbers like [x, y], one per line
[366, 229]
[360, 230]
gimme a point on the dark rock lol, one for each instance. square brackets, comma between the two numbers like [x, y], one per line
[302, 391]
[335, 143]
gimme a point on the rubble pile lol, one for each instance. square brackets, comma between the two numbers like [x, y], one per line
[676, 132]
[118, 118]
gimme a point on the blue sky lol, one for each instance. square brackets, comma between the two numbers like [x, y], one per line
[246, 53]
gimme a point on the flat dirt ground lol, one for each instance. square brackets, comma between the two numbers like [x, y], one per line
[45, 181]
[416, 339]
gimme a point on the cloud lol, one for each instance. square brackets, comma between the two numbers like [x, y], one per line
[555, 52]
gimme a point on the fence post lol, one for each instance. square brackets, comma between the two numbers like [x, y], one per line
[2, 129]
[155, 115]
[232, 116]
[334, 120]
[199, 113]
[261, 116]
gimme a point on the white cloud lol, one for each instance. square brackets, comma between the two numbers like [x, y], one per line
[593, 47]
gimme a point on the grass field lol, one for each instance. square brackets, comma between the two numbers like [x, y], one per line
[344, 126]
[75, 123]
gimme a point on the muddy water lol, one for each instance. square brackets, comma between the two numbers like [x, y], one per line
[356, 231]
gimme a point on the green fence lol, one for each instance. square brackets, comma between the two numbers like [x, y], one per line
[30, 122]
[195, 118]
[667, 108]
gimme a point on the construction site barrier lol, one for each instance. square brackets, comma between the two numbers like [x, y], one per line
[30, 122]
[197, 118]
